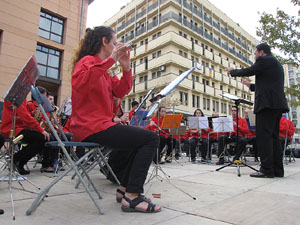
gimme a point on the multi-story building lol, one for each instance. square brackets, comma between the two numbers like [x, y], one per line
[169, 37]
[50, 30]
[292, 77]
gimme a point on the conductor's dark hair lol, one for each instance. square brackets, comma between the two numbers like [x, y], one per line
[134, 103]
[265, 47]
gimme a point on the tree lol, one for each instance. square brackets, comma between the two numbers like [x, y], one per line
[282, 32]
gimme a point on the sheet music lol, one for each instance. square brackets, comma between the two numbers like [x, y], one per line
[233, 97]
[251, 117]
[223, 124]
[198, 122]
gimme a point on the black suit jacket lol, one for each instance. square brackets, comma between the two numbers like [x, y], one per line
[269, 83]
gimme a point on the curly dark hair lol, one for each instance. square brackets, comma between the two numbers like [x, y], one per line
[92, 42]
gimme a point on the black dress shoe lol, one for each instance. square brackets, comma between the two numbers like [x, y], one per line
[279, 175]
[21, 169]
[220, 162]
[261, 175]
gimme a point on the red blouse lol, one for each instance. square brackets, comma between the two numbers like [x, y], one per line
[24, 119]
[93, 89]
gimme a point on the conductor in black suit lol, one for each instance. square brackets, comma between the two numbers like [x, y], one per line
[270, 103]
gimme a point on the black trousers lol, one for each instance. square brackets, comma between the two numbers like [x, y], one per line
[49, 154]
[252, 141]
[141, 143]
[225, 139]
[35, 144]
[268, 144]
[2, 140]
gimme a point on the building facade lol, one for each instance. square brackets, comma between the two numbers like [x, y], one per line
[292, 77]
[48, 29]
[169, 37]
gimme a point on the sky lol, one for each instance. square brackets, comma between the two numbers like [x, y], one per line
[244, 12]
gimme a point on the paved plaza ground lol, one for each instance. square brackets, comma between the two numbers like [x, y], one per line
[221, 198]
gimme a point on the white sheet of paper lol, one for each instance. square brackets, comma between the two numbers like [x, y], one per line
[223, 124]
[251, 116]
[198, 122]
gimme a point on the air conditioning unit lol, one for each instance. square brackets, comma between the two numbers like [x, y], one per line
[162, 68]
[137, 25]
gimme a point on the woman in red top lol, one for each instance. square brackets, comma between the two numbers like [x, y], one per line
[194, 138]
[93, 92]
[164, 135]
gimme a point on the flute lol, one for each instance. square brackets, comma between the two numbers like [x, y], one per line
[161, 130]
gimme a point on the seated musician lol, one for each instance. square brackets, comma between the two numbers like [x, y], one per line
[34, 135]
[49, 154]
[283, 131]
[164, 135]
[251, 137]
[225, 139]
[93, 89]
[194, 139]
[134, 105]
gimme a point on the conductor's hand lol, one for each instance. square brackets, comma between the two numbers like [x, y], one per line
[228, 69]
[247, 83]
[46, 135]
[121, 53]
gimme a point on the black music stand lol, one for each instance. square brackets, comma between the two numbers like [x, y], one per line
[17, 94]
[237, 162]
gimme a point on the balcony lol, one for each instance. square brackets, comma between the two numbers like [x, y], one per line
[224, 63]
[208, 54]
[210, 90]
[183, 41]
[225, 79]
[198, 49]
[218, 76]
[217, 59]
[239, 85]
[233, 82]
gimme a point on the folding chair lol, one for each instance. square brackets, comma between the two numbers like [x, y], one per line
[76, 165]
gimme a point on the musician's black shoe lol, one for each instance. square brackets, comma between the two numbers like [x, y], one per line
[20, 169]
[220, 162]
[177, 156]
[261, 175]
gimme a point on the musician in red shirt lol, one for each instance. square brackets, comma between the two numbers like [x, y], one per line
[243, 131]
[34, 135]
[164, 134]
[93, 92]
[134, 105]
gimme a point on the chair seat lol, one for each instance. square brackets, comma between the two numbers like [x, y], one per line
[71, 144]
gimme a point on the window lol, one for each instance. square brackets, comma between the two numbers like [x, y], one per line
[153, 75]
[180, 52]
[159, 34]
[183, 98]
[193, 101]
[1, 32]
[180, 72]
[208, 104]
[141, 60]
[48, 61]
[204, 103]
[158, 53]
[198, 102]
[142, 43]
[185, 55]
[141, 79]
[51, 27]
[180, 33]
[154, 36]
[158, 73]
[154, 55]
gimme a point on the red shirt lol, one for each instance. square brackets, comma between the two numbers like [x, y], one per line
[283, 127]
[93, 90]
[24, 119]
[291, 130]
[159, 123]
[131, 113]
[243, 127]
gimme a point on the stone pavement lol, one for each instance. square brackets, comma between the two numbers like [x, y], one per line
[221, 198]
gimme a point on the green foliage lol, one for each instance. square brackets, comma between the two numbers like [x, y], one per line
[282, 32]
